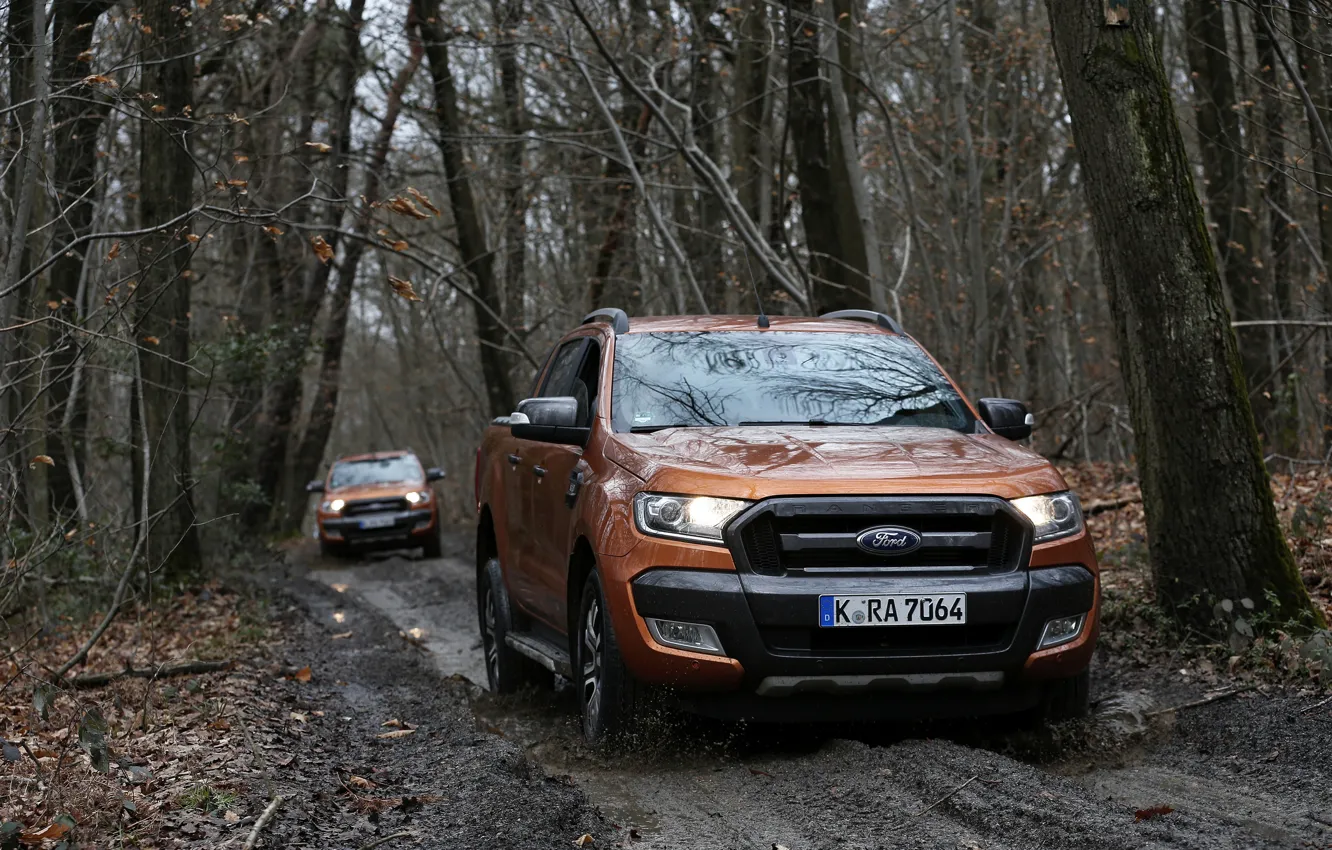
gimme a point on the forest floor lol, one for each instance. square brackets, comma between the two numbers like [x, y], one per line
[354, 692]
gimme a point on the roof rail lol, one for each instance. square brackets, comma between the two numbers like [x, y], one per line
[881, 319]
[619, 320]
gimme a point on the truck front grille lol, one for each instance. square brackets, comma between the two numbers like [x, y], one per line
[374, 506]
[817, 536]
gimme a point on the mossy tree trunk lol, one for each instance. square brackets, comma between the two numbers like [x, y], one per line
[1211, 523]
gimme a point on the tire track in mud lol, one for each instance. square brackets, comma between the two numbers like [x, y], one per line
[701, 785]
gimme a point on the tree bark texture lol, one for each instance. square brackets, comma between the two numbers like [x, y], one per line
[1211, 522]
[166, 191]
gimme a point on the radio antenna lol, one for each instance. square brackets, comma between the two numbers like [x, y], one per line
[762, 317]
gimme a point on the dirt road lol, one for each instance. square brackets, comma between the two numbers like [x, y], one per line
[1251, 771]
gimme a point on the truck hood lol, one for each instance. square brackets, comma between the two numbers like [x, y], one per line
[755, 462]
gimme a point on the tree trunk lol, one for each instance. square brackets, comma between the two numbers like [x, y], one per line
[509, 16]
[1223, 160]
[704, 87]
[166, 189]
[1307, 35]
[476, 255]
[1284, 434]
[807, 107]
[76, 123]
[1212, 527]
[855, 217]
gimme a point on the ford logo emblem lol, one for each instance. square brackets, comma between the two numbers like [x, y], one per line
[888, 540]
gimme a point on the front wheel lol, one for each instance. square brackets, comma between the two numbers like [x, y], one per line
[1067, 699]
[608, 696]
[432, 547]
[506, 670]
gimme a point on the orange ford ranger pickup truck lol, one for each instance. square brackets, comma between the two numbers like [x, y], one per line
[792, 519]
[377, 501]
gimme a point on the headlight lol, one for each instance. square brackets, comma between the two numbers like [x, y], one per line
[1055, 515]
[334, 506]
[699, 518]
[419, 497]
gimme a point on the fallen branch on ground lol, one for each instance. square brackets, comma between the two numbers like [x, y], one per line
[1200, 702]
[261, 823]
[95, 680]
[385, 840]
[954, 791]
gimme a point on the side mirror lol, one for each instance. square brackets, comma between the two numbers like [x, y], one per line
[1006, 417]
[315, 486]
[434, 473]
[549, 420]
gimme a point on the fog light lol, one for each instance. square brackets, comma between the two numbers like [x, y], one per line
[1061, 630]
[696, 637]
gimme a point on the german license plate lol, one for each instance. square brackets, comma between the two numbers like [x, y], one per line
[899, 609]
[377, 521]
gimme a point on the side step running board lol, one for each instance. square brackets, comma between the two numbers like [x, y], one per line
[543, 652]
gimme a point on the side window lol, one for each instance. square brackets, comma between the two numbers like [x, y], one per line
[559, 379]
[536, 379]
[585, 385]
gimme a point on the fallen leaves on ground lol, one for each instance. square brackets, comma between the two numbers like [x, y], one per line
[1152, 813]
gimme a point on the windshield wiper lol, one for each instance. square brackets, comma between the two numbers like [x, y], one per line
[648, 429]
[794, 422]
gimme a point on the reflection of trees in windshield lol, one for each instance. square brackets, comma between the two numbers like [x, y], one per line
[354, 473]
[726, 378]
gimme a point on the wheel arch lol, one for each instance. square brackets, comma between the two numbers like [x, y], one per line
[581, 563]
[487, 546]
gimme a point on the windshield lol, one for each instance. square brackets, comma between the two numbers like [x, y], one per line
[673, 380]
[355, 473]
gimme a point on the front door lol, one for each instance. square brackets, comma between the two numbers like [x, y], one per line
[527, 462]
[559, 476]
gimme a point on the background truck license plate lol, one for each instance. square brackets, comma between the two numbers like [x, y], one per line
[899, 609]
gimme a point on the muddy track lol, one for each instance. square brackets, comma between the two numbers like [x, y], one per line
[1248, 772]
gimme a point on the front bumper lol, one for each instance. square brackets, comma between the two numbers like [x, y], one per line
[780, 665]
[405, 526]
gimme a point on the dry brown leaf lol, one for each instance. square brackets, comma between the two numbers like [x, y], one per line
[46, 459]
[273, 231]
[191, 237]
[53, 305]
[238, 184]
[322, 249]
[360, 782]
[403, 206]
[114, 252]
[299, 717]
[342, 635]
[398, 244]
[425, 201]
[152, 340]
[240, 157]
[403, 288]
[302, 675]
[396, 733]
[158, 109]
[1152, 813]
[100, 80]
[51, 832]
[394, 723]
[319, 146]
[583, 840]
[86, 56]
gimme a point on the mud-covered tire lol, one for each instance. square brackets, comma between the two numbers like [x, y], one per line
[432, 546]
[609, 699]
[1067, 699]
[507, 671]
